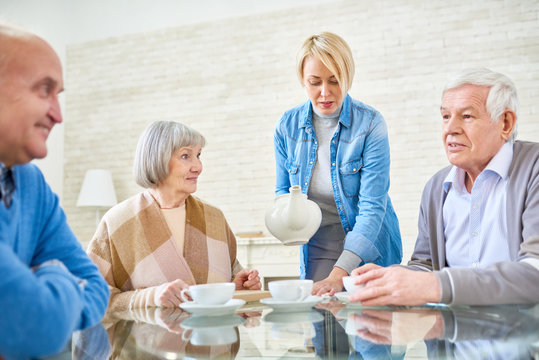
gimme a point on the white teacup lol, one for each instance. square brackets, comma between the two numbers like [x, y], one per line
[211, 336]
[290, 290]
[348, 282]
[209, 294]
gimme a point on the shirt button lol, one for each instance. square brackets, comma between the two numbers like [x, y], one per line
[474, 264]
[347, 229]
[310, 162]
[333, 164]
[354, 169]
[474, 206]
[305, 184]
[474, 234]
[333, 141]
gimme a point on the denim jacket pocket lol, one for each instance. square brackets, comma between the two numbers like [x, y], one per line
[293, 174]
[291, 167]
[350, 177]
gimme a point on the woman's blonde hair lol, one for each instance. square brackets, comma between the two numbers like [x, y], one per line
[333, 52]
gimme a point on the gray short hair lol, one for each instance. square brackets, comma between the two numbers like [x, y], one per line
[502, 94]
[155, 147]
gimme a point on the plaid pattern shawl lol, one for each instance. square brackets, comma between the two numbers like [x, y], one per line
[135, 251]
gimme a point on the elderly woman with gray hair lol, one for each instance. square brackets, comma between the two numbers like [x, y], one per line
[158, 242]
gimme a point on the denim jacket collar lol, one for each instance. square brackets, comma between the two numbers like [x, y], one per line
[307, 114]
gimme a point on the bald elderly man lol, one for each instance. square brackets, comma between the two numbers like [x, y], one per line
[48, 285]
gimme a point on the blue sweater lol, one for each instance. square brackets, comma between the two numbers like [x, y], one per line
[40, 309]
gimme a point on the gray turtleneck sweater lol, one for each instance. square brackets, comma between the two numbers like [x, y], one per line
[326, 247]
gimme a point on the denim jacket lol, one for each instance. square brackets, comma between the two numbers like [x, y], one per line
[359, 153]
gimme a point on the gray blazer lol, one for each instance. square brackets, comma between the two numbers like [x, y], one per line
[515, 281]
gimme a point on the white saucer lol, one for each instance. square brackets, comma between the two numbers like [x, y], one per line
[343, 296]
[201, 322]
[290, 306]
[280, 317]
[212, 310]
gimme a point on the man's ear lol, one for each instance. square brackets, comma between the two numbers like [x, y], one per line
[508, 121]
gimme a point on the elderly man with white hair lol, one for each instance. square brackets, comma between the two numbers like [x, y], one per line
[478, 232]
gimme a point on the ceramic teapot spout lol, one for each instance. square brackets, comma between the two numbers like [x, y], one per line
[292, 215]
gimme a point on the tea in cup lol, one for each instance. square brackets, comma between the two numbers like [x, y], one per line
[209, 294]
[348, 282]
[290, 290]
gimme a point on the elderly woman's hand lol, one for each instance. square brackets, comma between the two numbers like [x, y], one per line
[168, 294]
[247, 280]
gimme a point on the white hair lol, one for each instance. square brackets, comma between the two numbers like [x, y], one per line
[502, 94]
[155, 147]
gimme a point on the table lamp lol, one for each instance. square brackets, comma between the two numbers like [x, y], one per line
[97, 191]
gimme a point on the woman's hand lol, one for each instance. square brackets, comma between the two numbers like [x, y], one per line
[247, 280]
[168, 294]
[331, 284]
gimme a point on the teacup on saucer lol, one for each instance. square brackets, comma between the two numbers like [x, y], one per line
[209, 294]
[290, 290]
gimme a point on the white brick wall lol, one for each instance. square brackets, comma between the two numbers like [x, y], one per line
[232, 79]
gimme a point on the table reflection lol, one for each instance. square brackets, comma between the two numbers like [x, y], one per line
[501, 332]
[331, 330]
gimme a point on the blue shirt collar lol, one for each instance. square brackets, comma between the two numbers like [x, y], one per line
[499, 165]
[307, 113]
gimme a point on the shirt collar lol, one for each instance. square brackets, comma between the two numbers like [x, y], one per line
[499, 164]
[306, 119]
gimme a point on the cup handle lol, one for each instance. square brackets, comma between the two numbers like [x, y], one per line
[183, 296]
[184, 338]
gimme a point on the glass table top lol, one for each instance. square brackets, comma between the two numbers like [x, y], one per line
[330, 330]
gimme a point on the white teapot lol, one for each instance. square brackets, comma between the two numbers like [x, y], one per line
[293, 219]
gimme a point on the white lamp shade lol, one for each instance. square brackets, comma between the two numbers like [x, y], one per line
[97, 189]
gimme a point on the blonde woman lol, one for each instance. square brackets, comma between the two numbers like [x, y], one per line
[336, 148]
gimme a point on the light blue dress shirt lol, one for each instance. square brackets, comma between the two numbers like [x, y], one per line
[475, 224]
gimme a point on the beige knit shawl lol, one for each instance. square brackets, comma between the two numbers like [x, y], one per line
[135, 251]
